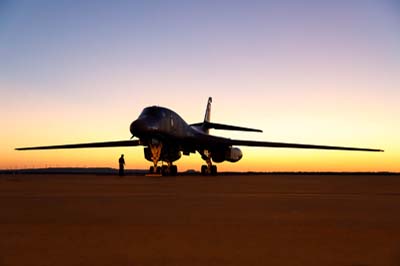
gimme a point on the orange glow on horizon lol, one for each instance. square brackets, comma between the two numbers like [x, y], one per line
[71, 127]
[323, 73]
[254, 160]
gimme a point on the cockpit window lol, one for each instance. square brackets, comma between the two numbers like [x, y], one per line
[149, 111]
[152, 111]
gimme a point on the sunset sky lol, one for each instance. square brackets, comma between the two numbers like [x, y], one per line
[319, 72]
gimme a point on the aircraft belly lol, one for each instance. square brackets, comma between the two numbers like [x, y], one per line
[168, 154]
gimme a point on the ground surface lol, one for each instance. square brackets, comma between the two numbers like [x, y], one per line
[226, 220]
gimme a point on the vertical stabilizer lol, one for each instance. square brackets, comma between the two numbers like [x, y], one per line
[207, 116]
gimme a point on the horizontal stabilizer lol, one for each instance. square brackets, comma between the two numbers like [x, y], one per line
[209, 125]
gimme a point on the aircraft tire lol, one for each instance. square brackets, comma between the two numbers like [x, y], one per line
[174, 170]
[204, 169]
[213, 170]
[164, 170]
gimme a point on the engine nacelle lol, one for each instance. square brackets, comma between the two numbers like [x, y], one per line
[231, 155]
[234, 155]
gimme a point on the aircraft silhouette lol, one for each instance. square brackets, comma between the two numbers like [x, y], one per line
[166, 136]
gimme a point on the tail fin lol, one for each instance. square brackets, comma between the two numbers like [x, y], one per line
[206, 124]
[207, 116]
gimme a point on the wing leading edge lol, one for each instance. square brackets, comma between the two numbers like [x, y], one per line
[295, 145]
[106, 144]
[231, 142]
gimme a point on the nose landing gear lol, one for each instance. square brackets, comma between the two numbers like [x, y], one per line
[164, 170]
[155, 150]
[169, 170]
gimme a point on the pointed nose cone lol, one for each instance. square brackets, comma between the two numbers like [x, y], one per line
[138, 127]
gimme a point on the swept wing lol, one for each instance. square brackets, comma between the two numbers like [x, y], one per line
[106, 144]
[294, 145]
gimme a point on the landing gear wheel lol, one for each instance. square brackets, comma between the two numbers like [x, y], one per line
[208, 169]
[155, 170]
[164, 170]
[174, 170]
[169, 170]
[204, 169]
[213, 170]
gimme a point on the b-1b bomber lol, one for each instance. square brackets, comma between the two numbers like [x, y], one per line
[165, 136]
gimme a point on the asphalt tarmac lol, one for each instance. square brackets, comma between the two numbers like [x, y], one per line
[350, 220]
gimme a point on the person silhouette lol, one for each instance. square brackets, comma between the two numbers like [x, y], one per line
[121, 165]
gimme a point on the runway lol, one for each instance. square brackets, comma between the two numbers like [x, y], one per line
[350, 220]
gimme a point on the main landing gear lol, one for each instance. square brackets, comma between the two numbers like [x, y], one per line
[208, 169]
[165, 170]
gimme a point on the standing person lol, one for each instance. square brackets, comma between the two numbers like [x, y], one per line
[121, 165]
